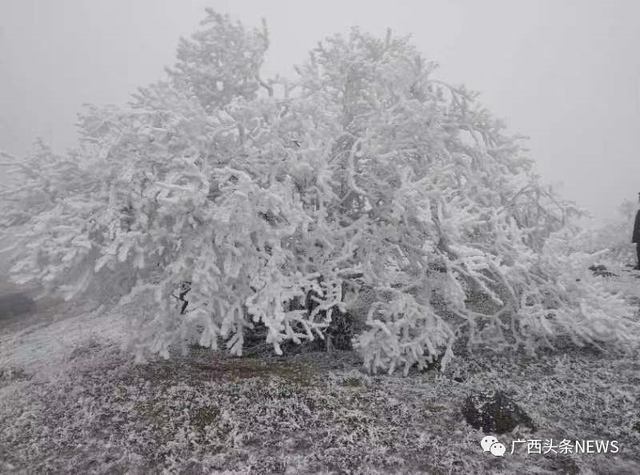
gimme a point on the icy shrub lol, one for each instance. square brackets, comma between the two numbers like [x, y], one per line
[362, 193]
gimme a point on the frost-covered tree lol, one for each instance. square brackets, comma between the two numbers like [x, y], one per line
[363, 187]
[34, 186]
[37, 183]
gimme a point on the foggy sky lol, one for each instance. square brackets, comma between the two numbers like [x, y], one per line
[567, 74]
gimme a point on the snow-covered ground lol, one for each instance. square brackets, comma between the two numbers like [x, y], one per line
[76, 406]
[46, 342]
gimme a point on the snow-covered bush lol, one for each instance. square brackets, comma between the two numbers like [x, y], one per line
[613, 238]
[34, 186]
[38, 182]
[362, 186]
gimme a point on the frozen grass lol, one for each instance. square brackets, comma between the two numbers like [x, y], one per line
[90, 410]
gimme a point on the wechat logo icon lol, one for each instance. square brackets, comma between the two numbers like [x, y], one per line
[493, 445]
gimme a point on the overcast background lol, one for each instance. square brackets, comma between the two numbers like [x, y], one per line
[565, 73]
